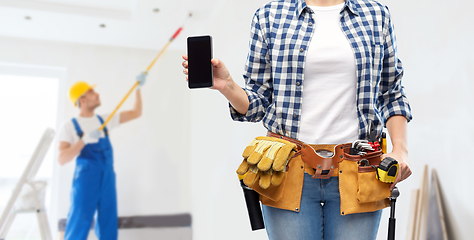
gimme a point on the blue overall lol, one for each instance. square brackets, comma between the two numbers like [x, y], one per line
[93, 188]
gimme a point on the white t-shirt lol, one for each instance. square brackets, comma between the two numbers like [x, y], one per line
[329, 112]
[88, 124]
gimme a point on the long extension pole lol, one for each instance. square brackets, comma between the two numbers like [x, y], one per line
[148, 69]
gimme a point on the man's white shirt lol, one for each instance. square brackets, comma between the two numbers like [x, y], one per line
[68, 132]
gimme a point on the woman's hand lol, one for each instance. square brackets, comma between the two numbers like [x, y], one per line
[224, 83]
[222, 79]
[404, 170]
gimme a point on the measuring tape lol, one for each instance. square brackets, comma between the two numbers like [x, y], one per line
[387, 170]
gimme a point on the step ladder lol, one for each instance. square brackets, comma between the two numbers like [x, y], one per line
[28, 195]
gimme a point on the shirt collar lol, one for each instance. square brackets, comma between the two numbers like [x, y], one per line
[353, 7]
[300, 6]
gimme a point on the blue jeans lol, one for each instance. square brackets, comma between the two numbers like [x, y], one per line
[319, 216]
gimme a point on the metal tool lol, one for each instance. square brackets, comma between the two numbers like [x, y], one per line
[391, 220]
[360, 147]
[372, 133]
[364, 163]
[146, 71]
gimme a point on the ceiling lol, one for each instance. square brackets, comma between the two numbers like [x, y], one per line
[146, 24]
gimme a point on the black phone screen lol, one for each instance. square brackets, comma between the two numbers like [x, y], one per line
[199, 62]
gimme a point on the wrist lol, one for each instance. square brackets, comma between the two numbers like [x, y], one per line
[228, 88]
[399, 148]
[403, 154]
[400, 155]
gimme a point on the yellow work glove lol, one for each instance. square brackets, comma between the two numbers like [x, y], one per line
[265, 159]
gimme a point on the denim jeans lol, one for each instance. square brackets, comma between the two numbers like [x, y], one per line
[319, 216]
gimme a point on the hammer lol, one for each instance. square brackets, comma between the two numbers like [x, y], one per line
[391, 220]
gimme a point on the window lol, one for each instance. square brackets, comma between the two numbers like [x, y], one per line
[28, 105]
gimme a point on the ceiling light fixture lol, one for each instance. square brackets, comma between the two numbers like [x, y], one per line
[156, 10]
[102, 25]
[27, 18]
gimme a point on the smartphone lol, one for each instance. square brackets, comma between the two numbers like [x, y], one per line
[199, 62]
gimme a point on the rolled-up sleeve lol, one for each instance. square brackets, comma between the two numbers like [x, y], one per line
[257, 76]
[392, 99]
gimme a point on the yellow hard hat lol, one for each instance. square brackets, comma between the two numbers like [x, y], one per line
[77, 90]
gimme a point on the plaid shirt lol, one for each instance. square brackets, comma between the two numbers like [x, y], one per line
[279, 38]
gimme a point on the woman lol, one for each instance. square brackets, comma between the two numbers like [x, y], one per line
[318, 71]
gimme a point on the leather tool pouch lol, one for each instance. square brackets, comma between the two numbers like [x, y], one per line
[324, 166]
[275, 193]
[370, 188]
[359, 188]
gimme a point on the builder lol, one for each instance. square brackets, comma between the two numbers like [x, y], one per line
[93, 187]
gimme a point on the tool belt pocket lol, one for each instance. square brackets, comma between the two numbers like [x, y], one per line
[265, 163]
[360, 190]
[370, 189]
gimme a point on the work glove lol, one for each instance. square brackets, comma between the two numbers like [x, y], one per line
[265, 159]
[141, 78]
[91, 137]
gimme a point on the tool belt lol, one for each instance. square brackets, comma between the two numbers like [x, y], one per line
[360, 191]
[325, 167]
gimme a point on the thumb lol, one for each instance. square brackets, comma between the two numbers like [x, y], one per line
[217, 63]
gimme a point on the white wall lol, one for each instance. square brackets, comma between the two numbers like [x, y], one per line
[193, 168]
[435, 47]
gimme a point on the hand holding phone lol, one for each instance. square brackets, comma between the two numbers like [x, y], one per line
[199, 62]
[219, 79]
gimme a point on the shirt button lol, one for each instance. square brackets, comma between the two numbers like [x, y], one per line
[298, 83]
[301, 49]
[294, 116]
[311, 24]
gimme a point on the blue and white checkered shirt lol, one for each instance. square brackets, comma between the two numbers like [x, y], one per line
[279, 38]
